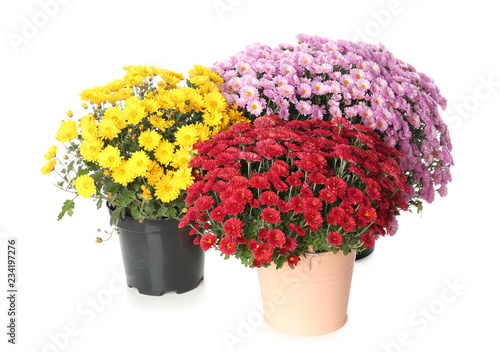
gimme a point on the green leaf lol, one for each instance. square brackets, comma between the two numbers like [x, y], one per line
[70, 166]
[99, 203]
[82, 171]
[67, 207]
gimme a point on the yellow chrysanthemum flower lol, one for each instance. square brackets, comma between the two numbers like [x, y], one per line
[138, 163]
[203, 131]
[165, 189]
[193, 99]
[67, 131]
[212, 118]
[122, 94]
[214, 101]
[149, 140]
[107, 129]
[84, 186]
[146, 195]
[48, 167]
[117, 116]
[170, 80]
[155, 173]
[109, 157]
[88, 126]
[235, 115]
[134, 111]
[122, 174]
[150, 105]
[159, 123]
[186, 135]
[183, 178]
[91, 148]
[182, 157]
[208, 87]
[115, 86]
[96, 95]
[199, 70]
[51, 153]
[198, 80]
[164, 152]
[132, 78]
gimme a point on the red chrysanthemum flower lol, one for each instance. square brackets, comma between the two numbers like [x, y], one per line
[283, 206]
[228, 173]
[280, 168]
[365, 215]
[196, 241]
[347, 223]
[269, 198]
[238, 182]
[280, 185]
[307, 166]
[317, 177]
[207, 241]
[294, 181]
[259, 182]
[233, 206]
[298, 204]
[243, 195]
[314, 219]
[290, 244]
[270, 215]
[327, 195]
[335, 216]
[306, 192]
[337, 185]
[241, 127]
[314, 203]
[204, 203]
[254, 203]
[252, 244]
[335, 238]
[263, 252]
[233, 227]
[367, 240]
[249, 156]
[276, 238]
[263, 234]
[292, 260]
[354, 196]
[227, 245]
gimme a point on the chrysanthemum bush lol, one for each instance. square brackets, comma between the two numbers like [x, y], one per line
[133, 146]
[321, 79]
[272, 190]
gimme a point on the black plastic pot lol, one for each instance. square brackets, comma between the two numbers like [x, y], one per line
[365, 253]
[159, 257]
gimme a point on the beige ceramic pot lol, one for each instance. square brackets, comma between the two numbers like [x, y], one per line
[310, 299]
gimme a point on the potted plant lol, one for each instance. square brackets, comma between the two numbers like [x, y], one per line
[131, 150]
[321, 79]
[298, 196]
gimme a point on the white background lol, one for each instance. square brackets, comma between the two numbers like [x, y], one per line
[81, 44]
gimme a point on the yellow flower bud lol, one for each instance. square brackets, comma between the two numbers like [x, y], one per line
[141, 127]
[184, 210]
[70, 113]
[143, 187]
[106, 172]
[98, 240]
[85, 106]
[141, 221]
[130, 130]
[110, 194]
